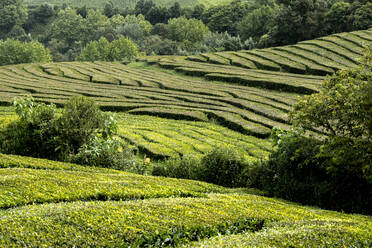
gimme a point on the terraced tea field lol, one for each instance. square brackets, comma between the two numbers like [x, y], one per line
[160, 138]
[321, 56]
[170, 107]
[53, 204]
[249, 92]
[117, 87]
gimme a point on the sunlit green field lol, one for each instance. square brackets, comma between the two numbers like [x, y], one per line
[54, 204]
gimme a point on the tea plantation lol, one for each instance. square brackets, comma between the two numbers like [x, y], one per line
[45, 203]
[170, 107]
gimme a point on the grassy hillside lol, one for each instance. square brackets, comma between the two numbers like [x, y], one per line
[125, 3]
[62, 204]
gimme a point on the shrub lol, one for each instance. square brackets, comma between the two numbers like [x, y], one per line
[187, 167]
[298, 171]
[110, 153]
[32, 134]
[223, 166]
[81, 119]
[82, 134]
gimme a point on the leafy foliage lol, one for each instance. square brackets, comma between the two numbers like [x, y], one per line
[13, 13]
[335, 172]
[102, 50]
[187, 30]
[17, 52]
[176, 221]
[223, 166]
[343, 107]
[80, 120]
[81, 133]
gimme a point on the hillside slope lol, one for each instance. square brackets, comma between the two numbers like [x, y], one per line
[45, 203]
[249, 92]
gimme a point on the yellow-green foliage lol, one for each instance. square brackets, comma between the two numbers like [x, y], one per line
[159, 136]
[115, 212]
[56, 183]
[307, 234]
[176, 221]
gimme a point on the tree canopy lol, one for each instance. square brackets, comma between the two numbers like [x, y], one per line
[17, 52]
[102, 50]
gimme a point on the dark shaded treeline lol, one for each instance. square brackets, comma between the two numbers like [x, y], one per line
[177, 30]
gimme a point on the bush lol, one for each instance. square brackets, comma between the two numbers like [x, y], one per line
[82, 134]
[223, 166]
[32, 134]
[187, 167]
[334, 171]
[297, 171]
[109, 153]
[81, 119]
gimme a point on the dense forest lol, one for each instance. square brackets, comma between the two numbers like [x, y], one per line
[89, 34]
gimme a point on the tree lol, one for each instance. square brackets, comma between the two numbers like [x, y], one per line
[157, 14]
[175, 10]
[118, 50]
[225, 18]
[362, 17]
[187, 30]
[337, 19]
[143, 7]
[333, 170]
[343, 109]
[17, 52]
[297, 20]
[198, 11]
[93, 24]
[12, 13]
[256, 23]
[123, 49]
[68, 27]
